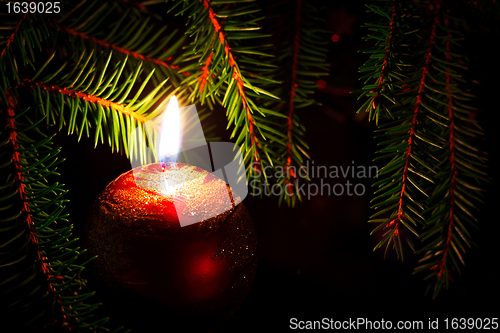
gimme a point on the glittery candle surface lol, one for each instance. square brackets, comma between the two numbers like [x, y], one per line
[134, 229]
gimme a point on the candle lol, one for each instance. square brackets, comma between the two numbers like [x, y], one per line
[166, 178]
[173, 234]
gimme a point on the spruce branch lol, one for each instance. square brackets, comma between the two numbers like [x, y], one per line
[104, 101]
[382, 83]
[291, 103]
[22, 38]
[238, 80]
[10, 39]
[300, 61]
[405, 178]
[205, 72]
[136, 34]
[448, 236]
[25, 213]
[432, 183]
[384, 32]
[402, 216]
[220, 61]
[453, 164]
[120, 49]
[123, 109]
[40, 264]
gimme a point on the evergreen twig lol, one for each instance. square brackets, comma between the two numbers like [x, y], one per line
[430, 135]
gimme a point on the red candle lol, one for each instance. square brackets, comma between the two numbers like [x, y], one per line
[144, 229]
[142, 247]
[191, 193]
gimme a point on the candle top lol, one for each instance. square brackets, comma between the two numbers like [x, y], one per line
[187, 193]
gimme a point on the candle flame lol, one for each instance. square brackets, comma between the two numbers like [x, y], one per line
[170, 132]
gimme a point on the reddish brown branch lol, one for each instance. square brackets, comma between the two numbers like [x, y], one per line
[94, 99]
[205, 72]
[39, 257]
[291, 103]
[236, 74]
[416, 112]
[120, 49]
[386, 57]
[453, 171]
[12, 36]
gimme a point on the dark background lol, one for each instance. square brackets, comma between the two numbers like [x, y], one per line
[316, 260]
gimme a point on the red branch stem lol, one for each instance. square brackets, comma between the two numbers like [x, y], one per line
[91, 98]
[236, 74]
[205, 72]
[413, 122]
[453, 171]
[291, 103]
[120, 49]
[392, 26]
[39, 257]
[12, 36]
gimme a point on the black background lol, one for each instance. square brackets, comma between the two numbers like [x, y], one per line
[316, 260]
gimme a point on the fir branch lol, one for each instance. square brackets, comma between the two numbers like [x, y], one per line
[453, 167]
[429, 140]
[384, 69]
[40, 258]
[382, 65]
[238, 78]
[103, 102]
[22, 43]
[121, 49]
[395, 223]
[10, 39]
[300, 61]
[291, 103]
[39, 262]
[25, 82]
[205, 72]
[451, 204]
[137, 34]
[219, 62]
[402, 189]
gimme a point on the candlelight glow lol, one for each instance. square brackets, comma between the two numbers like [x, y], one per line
[170, 135]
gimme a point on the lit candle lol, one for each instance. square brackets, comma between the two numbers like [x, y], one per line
[144, 228]
[195, 193]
